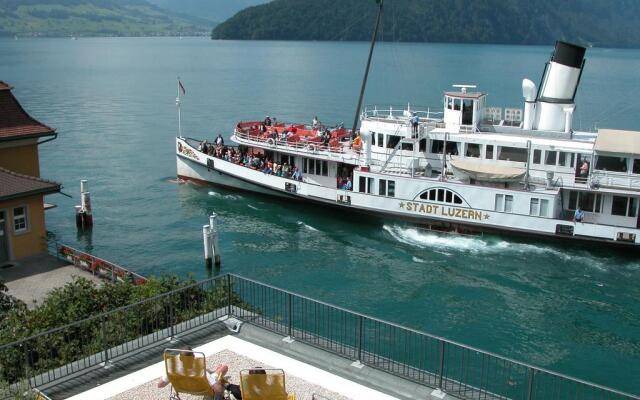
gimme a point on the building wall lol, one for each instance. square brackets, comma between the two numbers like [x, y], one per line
[21, 157]
[33, 240]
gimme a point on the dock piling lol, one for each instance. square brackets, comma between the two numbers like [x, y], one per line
[84, 217]
[206, 236]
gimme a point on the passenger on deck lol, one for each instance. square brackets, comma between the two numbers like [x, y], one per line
[316, 122]
[297, 175]
[415, 121]
[203, 147]
[584, 169]
[579, 215]
[267, 121]
[285, 170]
[347, 185]
[357, 142]
[219, 140]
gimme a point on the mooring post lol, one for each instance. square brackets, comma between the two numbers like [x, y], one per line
[213, 226]
[206, 236]
[84, 217]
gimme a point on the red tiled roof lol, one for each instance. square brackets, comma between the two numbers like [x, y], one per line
[14, 185]
[15, 123]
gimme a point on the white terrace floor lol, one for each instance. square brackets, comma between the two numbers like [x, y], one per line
[302, 379]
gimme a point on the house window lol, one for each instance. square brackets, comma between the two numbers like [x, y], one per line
[624, 206]
[20, 222]
[382, 187]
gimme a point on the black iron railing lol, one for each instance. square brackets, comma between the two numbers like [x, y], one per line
[462, 371]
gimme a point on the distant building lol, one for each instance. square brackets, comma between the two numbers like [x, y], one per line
[22, 225]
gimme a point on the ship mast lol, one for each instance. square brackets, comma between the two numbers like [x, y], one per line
[366, 71]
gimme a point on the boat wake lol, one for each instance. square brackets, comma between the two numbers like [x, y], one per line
[224, 196]
[309, 227]
[177, 181]
[253, 207]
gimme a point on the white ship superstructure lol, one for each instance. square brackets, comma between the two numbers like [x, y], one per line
[468, 168]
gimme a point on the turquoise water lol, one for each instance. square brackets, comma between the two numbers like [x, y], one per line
[573, 310]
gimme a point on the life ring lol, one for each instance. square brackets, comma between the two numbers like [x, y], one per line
[311, 147]
[271, 142]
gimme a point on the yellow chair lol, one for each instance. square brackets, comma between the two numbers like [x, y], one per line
[187, 372]
[264, 384]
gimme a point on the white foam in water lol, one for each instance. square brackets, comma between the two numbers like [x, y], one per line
[311, 228]
[252, 207]
[418, 260]
[214, 194]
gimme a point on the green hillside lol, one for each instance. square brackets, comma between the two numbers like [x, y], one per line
[212, 10]
[593, 22]
[93, 18]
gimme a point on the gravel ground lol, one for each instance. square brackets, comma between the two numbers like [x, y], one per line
[302, 389]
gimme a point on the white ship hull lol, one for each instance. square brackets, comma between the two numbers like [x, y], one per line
[463, 218]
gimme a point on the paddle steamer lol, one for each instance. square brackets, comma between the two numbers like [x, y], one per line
[468, 168]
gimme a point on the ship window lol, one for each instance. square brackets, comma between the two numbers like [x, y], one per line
[508, 203]
[499, 202]
[534, 207]
[423, 145]
[550, 157]
[512, 154]
[563, 160]
[614, 164]
[473, 150]
[392, 141]
[437, 146]
[407, 146]
[537, 153]
[587, 201]
[325, 168]
[373, 138]
[449, 101]
[573, 160]
[449, 197]
[489, 155]
[452, 148]
[391, 188]
[636, 166]
[440, 194]
[382, 187]
[456, 104]
[598, 207]
[380, 140]
[457, 199]
[544, 208]
[624, 206]
[369, 185]
[432, 194]
[362, 183]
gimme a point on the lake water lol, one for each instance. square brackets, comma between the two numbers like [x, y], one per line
[573, 310]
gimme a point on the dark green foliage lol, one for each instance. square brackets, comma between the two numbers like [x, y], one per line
[98, 319]
[589, 22]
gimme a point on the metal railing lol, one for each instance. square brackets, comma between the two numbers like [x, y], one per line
[462, 371]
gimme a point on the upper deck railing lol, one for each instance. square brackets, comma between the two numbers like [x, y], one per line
[44, 359]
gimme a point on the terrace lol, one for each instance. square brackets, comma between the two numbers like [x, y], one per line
[327, 352]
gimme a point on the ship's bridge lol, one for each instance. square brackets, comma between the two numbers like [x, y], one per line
[463, 109]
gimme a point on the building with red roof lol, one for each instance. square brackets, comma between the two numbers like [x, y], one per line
[22, 191]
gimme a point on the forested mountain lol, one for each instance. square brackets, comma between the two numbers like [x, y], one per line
[213, 10]
[611, 23]
[93, 18]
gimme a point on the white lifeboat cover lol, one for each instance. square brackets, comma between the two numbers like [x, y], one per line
[483, 171]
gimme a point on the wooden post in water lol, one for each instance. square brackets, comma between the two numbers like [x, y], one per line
[213, 227]
[84, 217]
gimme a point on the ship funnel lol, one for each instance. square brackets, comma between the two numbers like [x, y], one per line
[559, 86]
[529, 94]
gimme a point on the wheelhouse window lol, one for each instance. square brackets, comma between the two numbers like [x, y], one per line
[20, 222]
[613, 164]
[506, 153]
[624, 206]
[473, 150]
[392, 141]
